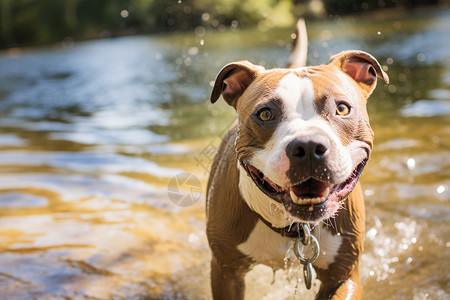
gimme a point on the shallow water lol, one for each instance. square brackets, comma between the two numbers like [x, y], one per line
[93, 136]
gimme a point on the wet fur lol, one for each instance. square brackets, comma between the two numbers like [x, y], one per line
[235, 233]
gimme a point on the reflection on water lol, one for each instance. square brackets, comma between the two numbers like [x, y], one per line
[91, 135]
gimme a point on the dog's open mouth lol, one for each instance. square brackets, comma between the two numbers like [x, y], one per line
[307, 200]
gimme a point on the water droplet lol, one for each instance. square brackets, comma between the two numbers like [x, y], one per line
[440, 189]
[193, 51]
[421, 57]
[371, 233]
[411, 163]
[369, 192]
[193, 238]
[205, 16]
[200, 31]
[124, 13]
[392, 89]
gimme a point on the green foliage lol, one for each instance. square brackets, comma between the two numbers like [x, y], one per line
[25, 22]
[170, 15]
[343, 7]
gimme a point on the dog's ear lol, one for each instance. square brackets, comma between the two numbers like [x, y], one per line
[233, 80]
[362, 67]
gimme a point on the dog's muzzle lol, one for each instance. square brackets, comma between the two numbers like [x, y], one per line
[311, 199]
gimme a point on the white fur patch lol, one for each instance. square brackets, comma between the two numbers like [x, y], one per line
[260, 203]
[329, 246]
[266, 246]
[298, 96]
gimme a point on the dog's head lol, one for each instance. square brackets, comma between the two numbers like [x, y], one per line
[303, 135]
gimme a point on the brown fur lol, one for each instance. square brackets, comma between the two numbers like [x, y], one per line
[229, 223]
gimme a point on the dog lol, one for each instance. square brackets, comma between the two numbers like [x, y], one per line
[294, 156]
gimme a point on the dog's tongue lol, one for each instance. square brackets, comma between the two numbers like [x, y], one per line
[310, 188]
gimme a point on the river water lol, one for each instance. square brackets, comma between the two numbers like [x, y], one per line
[94, 135]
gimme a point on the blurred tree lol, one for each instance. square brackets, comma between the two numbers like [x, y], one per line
[25, 22]
[5, 21]
[174, 15]
[344, 7]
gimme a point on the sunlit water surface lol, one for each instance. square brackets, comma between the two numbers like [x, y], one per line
[91, 136]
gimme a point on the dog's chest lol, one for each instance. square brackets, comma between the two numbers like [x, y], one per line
[267, 247]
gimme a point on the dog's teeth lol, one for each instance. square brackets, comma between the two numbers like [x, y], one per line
[306, 201]
[316, 200]
[294, 197]
[326, 192]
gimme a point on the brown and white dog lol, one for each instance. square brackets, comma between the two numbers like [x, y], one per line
[294, 155]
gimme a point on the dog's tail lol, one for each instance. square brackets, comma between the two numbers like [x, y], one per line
[298, 55]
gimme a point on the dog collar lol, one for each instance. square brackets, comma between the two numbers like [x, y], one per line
[294, 231]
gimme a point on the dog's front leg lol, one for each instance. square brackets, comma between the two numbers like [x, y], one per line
[227, 283]
[349, 289]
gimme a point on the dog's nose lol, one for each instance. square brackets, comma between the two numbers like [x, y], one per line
[310, 148]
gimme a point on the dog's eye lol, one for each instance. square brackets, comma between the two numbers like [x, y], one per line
[265, 115]
[342, 109]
